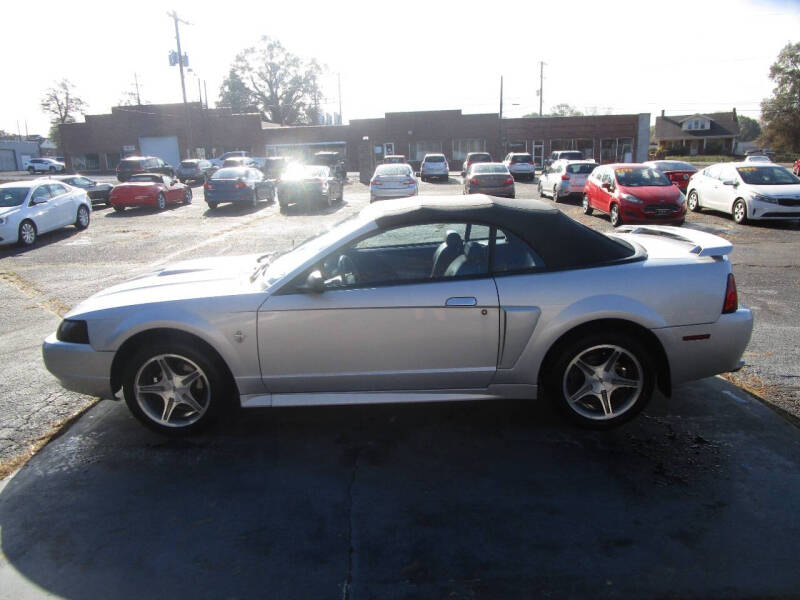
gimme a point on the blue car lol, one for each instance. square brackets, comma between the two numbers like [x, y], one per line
[238, 185]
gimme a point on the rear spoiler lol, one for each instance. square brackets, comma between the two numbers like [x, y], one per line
[705, 244]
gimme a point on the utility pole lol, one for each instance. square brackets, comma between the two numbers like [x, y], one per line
[541, 85]
[205, 89]
[136, 83]
[339, 78]
[500, 120]
[176, 19]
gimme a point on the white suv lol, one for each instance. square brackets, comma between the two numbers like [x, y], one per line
[45, 165]
[520, 165]
[565, 177]
[434, 165]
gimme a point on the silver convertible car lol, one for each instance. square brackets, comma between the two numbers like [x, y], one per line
[425, 299]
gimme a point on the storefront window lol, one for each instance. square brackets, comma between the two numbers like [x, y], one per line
[420, 149]
[463, 147]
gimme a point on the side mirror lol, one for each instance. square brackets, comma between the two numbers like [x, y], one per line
[732, 182]
[606, 185]
[315, 283]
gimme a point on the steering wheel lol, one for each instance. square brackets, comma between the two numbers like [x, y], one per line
[347, 269]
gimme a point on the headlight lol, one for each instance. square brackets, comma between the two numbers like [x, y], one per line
[73, 331]
[2, 221]
[763, 198]
[629, 198]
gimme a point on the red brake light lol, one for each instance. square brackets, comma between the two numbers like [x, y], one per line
[474, 181]
[731, 296]
[509, 181]
[207, 186]
[565, 177]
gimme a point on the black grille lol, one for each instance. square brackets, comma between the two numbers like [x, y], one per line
[789, 201]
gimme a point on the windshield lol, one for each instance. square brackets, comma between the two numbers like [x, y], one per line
[147, 178]
[12, 196]
[189, 164]
[767, 175]
[571, 155]
[284, 263]
[674, 165]
[489, 168]
[434, 159]
[393, 170]
[129, 164]
[581, 168]
[230, 173]
[521, 158]
[297, 171]
[640, 177]
[479, 158]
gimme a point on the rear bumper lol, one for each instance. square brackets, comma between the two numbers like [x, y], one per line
[720, 352]
[79, 367]
[386, 193]
[506, 191]
[220, 197]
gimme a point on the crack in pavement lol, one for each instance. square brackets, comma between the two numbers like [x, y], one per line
[51, 305]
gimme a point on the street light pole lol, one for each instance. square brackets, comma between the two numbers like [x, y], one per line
[175, 18]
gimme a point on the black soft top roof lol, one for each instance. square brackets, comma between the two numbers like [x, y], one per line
[561, 242]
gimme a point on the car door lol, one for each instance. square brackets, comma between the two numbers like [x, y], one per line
[63, 205]
[605, 192]
[726, 194]
[42, 210]
[385, 324]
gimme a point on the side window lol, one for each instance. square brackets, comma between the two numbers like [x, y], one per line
[728, 173]
[713, 171]
[513, 254]
[56, 189]
[41, 193]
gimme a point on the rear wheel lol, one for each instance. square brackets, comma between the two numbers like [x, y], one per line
[254, 199]
[119, 208]
[601, 380]
[187, 196]
[616, 219]
[161, 202]
[555, 193]
[587, 208]
[539, 189]
[740, 212]
[212, 205]
[27, 233]
[82, 218]
[693, 201]
[31, 170]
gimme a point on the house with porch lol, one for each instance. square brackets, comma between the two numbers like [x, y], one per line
[706, 133]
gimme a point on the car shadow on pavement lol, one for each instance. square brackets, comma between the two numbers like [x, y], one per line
[45, 239]
[302, 210]
[236, 209]
[138, 211]
[488, 499]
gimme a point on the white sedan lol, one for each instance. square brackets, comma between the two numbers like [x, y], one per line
[392, 181]
[747, 190]
[30, 208]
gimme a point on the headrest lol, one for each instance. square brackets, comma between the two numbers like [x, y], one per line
[476, 252]
[453, 239]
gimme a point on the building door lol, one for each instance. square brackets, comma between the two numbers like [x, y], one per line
[165, 148]
[538, 152]
[7, 160]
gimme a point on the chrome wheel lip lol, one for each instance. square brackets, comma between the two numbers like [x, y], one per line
[601, 381]
[169, 390]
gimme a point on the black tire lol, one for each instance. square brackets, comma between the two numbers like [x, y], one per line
[27, 233]
[119, 208]
[31, 170]
[597, 407]
[52, 169]
[614, 216]
[739, 211]
[587, 208]
[693, 201]
[539, 189]
[161, 202]
[82, 217]
[187, 196]
[212, 391]
[555, 194]
[283, 207]
[254, 199]
[212, 205]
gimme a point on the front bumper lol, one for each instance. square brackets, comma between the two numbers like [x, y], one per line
[768, 211]
[720, 352]
[636, 213]
[79, 367]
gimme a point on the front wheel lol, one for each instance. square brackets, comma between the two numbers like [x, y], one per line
[161, 202]
[693, 201]
[254, 199]
[27, 233]
[587, 208]
[173, 388]
[119, 208]
[82, 218]
[740, 212]
[616, 219]
[601, 380]
[539, 189]
[31, 170]
[187, 196]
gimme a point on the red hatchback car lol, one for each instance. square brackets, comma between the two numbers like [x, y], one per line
[677, 171]
[633, 193]
[149, 189]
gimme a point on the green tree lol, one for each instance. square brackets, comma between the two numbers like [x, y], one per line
[780, 114]
[749, 129]
[565, 110]
[284, 86]
[234, 94]
[62, 104]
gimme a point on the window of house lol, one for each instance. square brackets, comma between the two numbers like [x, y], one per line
[463, 147]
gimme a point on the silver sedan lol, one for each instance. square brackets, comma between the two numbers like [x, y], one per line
[416, 300]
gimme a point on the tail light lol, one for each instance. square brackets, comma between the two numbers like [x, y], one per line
[375, 181]
[240, 184]
[565, 177]
[207, 186]
[731, 296]
[410, 181]
[474, 181]
[509, 181]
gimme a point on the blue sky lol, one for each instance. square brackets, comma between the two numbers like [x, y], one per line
[607, 57]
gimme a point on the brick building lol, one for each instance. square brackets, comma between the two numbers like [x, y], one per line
[162, 130]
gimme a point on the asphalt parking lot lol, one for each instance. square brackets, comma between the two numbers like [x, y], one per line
[697, 498]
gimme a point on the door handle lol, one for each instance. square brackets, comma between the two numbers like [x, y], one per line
[461, 301]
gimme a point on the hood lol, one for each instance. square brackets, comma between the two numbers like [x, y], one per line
[7, 211]
[188, 280]
[653, 194]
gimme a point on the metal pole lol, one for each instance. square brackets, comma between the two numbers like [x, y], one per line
[136, 81]
[339, 77]
[174, 16]
[200, 92]
[541, 84]
[500, 120]
[205, 90]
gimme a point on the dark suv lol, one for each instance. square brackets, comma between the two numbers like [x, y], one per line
[142, 164]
